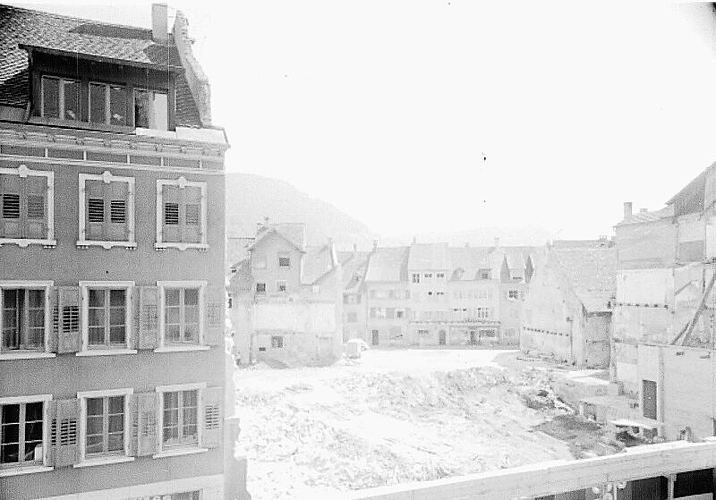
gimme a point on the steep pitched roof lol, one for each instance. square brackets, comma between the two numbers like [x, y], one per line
[73, 36]
[241, 279]
[237, 249]
[591, 272]
[388, 264]
[354, 270]
[466, 262]
[293, 232]
[317, 262]
[428, 256]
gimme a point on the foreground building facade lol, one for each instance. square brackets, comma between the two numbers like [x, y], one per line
[112, 309]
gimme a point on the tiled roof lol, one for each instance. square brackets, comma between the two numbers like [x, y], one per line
[641, 217]
[465, 262]
[317, 261]
[294, 232]
[237, 249]
[591, 271]
[428, 256]
[388, 264]
[354, 270]
[62, 34]
[241, 280]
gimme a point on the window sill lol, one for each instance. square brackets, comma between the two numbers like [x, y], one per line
[91, 462]
[182, 348]
[26, 355]
[180, 452]
[106, 352]
[25, 470]
[181, 246]
[107, 244]
[22, 243]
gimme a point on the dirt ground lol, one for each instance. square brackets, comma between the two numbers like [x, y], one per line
[396, 416]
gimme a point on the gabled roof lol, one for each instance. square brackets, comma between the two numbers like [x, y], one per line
[59, 34]
[388, 264]
[428, 256]
[590, 271]
[241, 279]
[317, 262]
[646, 216]
[354, 270]
[237, 249]
[292, 232]
[466, 262]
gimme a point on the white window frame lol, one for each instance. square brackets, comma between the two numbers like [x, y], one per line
[9, 470]
[104, 459]
[60, 96]
[106, 177]
[47, 287]
[107, 103]
[25, 172]
[181, 183]
[198, 448]
[85, 286]
[152, 118]
[168, 347]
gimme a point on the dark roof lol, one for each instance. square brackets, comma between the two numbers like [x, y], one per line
[591, 271]
[387, 264]
[80, 37]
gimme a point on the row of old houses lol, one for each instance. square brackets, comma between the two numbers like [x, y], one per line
[293, 303]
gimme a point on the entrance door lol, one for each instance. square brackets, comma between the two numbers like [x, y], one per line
[375, 337]
[442, 338]
[648, 403]
[473, 337]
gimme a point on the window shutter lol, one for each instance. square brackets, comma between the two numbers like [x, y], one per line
[133, 311]
[170, 214]
[53, 337]
[117, 204]
[213, 418]
[147, 432]
[69, 319]
[191, 217]
[95, 215]
[133, 425]
[64, 432]
[35, 210]
[148, 317]
[10, 195]
[215, 316]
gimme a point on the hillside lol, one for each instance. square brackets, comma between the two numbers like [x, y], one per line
[250, 198]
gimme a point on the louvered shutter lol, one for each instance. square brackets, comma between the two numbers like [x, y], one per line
[135, 314]
[117, 201]
[133, 425]
[64, 432]
[10, 206]
[215, 316]
[191, 216]
[53, 338]
[95, 211]
[69, 319]
[147, 432]
[148, 317]
[171, 217]
[213, 417]
[35, 207]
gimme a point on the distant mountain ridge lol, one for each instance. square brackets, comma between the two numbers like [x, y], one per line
[250, 198]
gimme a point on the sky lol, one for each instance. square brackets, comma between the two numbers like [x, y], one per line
[423, 116]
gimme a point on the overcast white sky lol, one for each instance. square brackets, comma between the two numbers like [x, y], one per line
[387, 109]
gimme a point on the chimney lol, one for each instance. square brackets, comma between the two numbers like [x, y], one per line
[160, 23]
[627, 209]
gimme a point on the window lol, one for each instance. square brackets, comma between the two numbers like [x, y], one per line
[484, 312]
[484, 274]
[440, 294]
[107, 104]
[284, 260]
[181, 313]
[277, 342]
[428, 276]
[26, 206]
[352, 317]
[260, 287]
[377, 312]
[106, 306]
[60, 98]
[440, 276]
[179, 417]
[23, 319]
[151, 109]
[104, 424]
[416, 278]
[108, 216]
[513, 294]
[280, 286]
[181, 214]
[399, 313]
[23, 430]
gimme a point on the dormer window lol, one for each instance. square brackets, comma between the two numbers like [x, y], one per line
[108, 104]
[60, 98]
[151, 109]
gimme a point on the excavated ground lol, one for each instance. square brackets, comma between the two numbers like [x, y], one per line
[399, 416]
